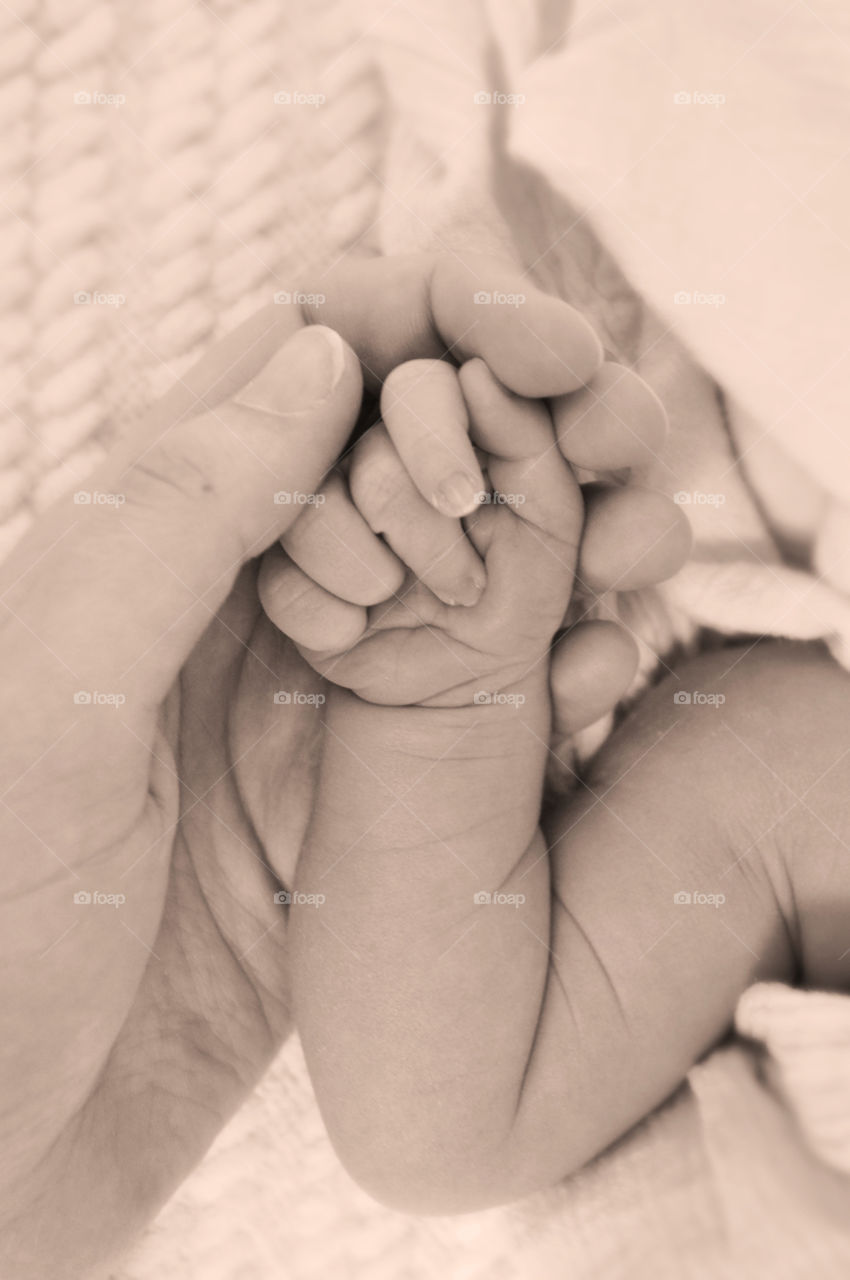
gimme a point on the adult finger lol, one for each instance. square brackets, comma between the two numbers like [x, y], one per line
[390, 310]
[114, 589]
[633, 537]
[616, 421]
[591, 668]
[463, 305]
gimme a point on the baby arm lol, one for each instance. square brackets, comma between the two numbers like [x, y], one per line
[466, 1053]
[433, 798]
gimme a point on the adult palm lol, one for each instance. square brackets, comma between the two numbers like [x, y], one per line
[155, 793]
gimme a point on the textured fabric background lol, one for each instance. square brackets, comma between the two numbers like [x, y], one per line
[197, 199]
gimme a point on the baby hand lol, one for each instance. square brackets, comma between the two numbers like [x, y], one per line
[526, 528]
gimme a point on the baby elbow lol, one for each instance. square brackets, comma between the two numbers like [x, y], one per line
[433, 1196]
[424, 1183]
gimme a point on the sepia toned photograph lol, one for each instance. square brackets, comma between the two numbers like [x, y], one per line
[425, 640]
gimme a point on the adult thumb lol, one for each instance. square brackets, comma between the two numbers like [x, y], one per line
[118, 583]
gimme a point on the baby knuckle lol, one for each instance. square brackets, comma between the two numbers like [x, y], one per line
[368, 451]
[303, 531]
[296, 591]
[408, 373]
[382, 500]
[375, 488]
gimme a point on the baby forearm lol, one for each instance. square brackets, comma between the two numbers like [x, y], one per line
[460, 1069]
[409, 993]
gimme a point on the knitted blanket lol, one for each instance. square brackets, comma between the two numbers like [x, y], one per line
[169, 169]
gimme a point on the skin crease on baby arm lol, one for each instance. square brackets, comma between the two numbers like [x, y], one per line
[466, 1053]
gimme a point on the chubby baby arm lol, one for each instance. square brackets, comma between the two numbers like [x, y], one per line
[463, 1052]
[430, 795]
[467, 1054]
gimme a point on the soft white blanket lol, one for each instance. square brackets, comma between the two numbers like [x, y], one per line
[709, 144]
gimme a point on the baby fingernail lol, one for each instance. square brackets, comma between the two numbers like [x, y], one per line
[468, 591]
[458, 496]
[302, 374]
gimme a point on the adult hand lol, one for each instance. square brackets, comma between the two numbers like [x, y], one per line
[154, 793]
